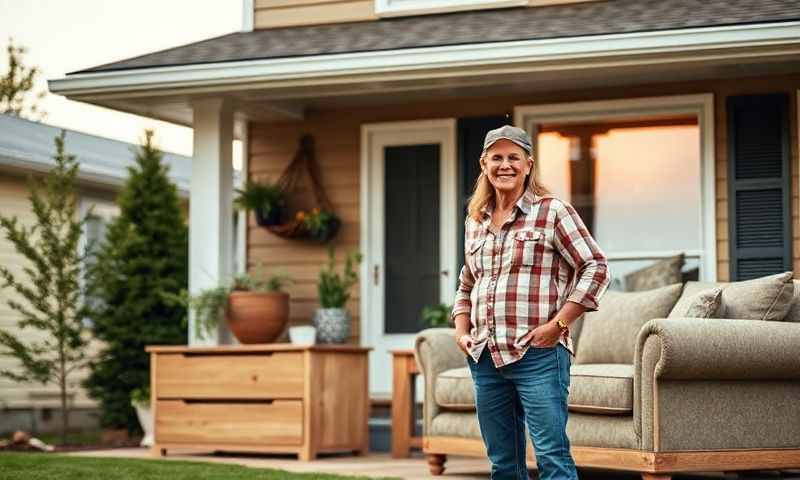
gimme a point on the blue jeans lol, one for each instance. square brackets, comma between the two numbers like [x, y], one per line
[532, 390]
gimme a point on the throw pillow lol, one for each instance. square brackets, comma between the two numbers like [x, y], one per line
[705, 304]
[608, 335]
[765, 298]
[662, 273]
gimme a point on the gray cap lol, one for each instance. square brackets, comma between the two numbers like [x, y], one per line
[508, 132]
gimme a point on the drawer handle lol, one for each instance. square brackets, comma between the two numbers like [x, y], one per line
[247, 401]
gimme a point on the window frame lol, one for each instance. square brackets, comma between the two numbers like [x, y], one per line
[390, 8]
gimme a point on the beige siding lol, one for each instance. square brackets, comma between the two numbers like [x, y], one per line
[337, 135]
[284, 13]
[14, 201]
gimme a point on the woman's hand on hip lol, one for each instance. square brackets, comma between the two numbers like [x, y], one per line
[546, 335]
[464, 342]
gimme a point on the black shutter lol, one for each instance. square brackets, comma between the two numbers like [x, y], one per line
[759, 185]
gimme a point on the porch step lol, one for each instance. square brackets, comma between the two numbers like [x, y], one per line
[380, 424]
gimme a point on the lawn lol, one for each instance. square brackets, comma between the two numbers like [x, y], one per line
[40, 466]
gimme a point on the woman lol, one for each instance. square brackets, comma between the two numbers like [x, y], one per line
[531, 268]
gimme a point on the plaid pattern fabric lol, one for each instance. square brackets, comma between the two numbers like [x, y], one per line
[519, 278]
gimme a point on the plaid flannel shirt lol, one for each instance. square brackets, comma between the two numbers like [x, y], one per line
[519, 278]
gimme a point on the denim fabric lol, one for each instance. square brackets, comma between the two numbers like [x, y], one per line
[532, 391]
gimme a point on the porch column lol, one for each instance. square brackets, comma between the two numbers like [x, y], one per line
[210, 209]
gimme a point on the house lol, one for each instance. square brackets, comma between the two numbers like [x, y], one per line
[27, 148]
[671, 125]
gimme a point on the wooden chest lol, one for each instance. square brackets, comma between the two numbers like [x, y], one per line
[278, 398]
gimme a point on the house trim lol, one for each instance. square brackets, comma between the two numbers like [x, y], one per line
[248, 15]
[700, 105]
[393, 8]
[373, 137]
[640, 48]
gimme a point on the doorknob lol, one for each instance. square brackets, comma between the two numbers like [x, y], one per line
[446, 273]
[376, 274]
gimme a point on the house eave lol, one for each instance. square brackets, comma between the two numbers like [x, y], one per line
[640, 48]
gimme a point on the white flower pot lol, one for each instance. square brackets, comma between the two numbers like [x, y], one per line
[145, 415]
[302, 335]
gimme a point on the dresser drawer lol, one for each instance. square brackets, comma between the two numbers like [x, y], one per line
[240, 376]
[278, 422]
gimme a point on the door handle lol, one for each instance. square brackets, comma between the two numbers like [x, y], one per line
[376, 274]
[445, 273]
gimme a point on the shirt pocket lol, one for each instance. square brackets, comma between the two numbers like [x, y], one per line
[528, 247]
[474, 251]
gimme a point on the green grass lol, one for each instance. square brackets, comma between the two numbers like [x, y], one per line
[90, 437]
[42, 466]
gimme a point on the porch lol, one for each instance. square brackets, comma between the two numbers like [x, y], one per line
[381, 465]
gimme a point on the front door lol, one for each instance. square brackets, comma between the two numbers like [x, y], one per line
[409, 243]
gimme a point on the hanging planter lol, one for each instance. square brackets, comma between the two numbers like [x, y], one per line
[318, 223]
[268, 202]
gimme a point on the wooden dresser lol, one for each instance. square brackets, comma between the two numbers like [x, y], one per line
[278, 398]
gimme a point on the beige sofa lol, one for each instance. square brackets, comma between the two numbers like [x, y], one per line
[700, 394]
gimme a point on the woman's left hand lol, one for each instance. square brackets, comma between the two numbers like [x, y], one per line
[545, 336]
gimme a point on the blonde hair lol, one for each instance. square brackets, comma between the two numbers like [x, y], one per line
[484, 191]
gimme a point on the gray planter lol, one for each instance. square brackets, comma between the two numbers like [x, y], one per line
[333, 325]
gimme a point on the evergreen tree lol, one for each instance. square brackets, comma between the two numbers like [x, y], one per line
[144, 256]
[52, 289]
[17, 83]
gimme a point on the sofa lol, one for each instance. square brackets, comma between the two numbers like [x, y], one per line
[694, 377]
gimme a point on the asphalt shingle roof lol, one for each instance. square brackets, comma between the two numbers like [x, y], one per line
[525, 23]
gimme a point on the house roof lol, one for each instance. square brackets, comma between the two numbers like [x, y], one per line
[30, 146]
[484, 26]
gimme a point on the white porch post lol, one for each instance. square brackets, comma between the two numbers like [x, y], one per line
[211, 210]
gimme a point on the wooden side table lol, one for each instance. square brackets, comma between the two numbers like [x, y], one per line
[403, 402]
[279, 398]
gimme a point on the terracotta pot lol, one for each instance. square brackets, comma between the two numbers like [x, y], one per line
[257, 317]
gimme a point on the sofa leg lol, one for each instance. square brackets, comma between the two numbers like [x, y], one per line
[655, 476]
[436, 463]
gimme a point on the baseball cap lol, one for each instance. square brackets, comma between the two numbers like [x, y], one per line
[508, 132]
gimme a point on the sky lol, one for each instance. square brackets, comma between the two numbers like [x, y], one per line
[67, 35]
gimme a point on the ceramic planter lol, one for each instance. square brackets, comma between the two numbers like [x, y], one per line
[333, 325]
[145, 415]
[302, 335]
[257, 317]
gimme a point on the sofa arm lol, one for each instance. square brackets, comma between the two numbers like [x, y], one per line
[435, 351]
[722, 349]
[705, 375]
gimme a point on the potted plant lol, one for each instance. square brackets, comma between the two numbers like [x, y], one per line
[267, 201]
[321, 225]
[256, 310]
[140, 400]
[332, 320]
[437, 315]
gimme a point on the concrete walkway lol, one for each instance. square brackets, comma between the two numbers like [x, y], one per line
[377, 465]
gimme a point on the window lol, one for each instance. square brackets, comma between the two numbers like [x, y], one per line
[635, 185]
[95, 230]
[386, 8]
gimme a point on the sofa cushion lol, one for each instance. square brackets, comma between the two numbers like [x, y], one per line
[706, 304]
[609, 334]
[765, 298]
[454, 389]
[603, 388]
[794, 310]
[660, 274]
[690, 291]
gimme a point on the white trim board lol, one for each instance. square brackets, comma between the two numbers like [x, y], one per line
[396, 8]
[558, 54]
[699, 105]
[373, 138]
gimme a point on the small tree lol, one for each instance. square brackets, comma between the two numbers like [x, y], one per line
[142, 262]
[53, 291]
[17, 83]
